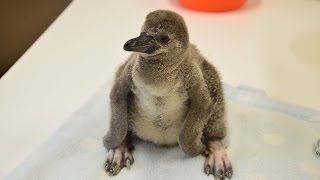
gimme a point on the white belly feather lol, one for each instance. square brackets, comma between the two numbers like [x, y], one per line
[160, 112]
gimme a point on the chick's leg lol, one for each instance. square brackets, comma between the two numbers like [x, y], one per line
[217, 161]
[118, 158]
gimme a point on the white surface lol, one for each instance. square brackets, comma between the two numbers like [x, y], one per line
[263, 45]
[257, 149]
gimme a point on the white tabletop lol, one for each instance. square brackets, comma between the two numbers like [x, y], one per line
[271, 45]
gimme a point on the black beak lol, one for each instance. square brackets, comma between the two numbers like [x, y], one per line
[144, 43]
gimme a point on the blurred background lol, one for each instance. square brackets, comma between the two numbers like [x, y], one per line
[22, 22]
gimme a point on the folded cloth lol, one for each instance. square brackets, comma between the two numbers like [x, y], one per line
[267, 140]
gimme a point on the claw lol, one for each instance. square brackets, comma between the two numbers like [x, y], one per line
[229, 173]
[111, 171]
[128, 163]
[111, 174]
[114, 170]
[219, 175]
[207, 170]
[107, 165]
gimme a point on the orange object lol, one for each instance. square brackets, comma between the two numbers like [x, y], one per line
[212, 5]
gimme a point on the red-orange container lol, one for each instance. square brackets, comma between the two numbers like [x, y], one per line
[212, 5]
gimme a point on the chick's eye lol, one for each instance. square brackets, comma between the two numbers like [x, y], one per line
[164, 39]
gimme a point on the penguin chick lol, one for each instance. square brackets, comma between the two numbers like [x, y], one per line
[167, 93]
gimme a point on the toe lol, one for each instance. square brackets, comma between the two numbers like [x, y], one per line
[229, 172]
[128, 159]
[114, 169]
[107, 165]
[218, 164]
[209, 164]
[116, 163]
[128, 163]
[219, 175]
[207, 170]
[227, 166]
[111, 169]
[114, 166]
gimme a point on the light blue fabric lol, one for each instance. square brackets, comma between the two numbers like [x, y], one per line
[267, 140]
